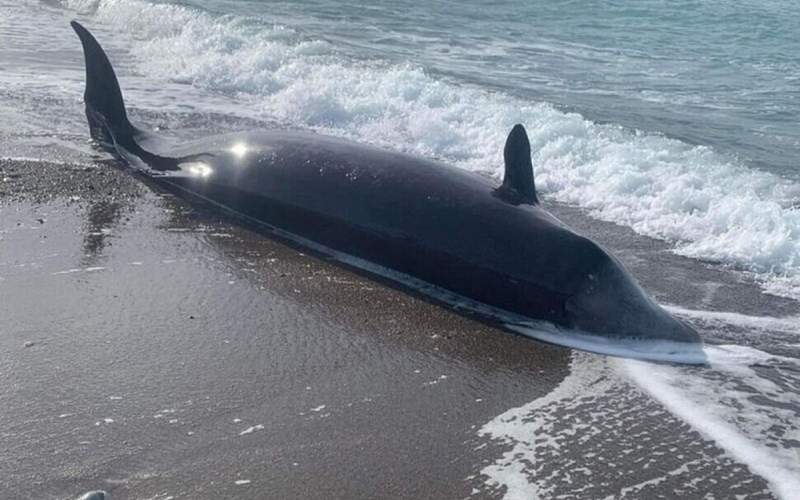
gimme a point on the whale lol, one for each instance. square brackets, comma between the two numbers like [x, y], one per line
[450, 234]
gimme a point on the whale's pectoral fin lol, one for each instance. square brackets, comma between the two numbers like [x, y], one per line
[518, 186]
[105, 109]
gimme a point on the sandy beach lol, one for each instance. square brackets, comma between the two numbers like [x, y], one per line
[158, 351]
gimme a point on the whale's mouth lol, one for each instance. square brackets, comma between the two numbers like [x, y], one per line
[633, 319]
[644, 348]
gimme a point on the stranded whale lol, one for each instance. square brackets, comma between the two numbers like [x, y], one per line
[442, 230]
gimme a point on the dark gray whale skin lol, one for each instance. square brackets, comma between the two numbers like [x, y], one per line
[418, 217]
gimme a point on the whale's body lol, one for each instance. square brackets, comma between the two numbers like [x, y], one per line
[421, 222]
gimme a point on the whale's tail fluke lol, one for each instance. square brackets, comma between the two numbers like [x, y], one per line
[105, 110]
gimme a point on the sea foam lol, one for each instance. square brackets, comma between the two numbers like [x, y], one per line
[706, 204]
[742, 404]
[762, 433]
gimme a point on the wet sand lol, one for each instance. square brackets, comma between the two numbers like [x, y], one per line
[155, 350]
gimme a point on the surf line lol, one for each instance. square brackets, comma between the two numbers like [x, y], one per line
[783, 481]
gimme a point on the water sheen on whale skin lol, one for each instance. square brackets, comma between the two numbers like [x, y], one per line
[398, 215]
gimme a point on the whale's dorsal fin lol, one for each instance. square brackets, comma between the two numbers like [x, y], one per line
[518, 186]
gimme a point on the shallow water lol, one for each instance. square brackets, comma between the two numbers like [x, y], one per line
[747, 411]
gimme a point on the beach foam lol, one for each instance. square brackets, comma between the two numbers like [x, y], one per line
[740, 404]
[745, 400]
[763, 431]
[789, 324]
[532, 433]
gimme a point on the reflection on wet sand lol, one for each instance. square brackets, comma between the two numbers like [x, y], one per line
[101, 217]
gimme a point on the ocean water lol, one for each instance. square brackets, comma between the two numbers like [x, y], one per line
[677, 119]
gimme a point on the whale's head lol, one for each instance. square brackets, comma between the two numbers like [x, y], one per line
[599, 297]
[608, 301]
